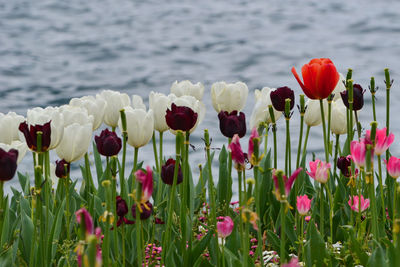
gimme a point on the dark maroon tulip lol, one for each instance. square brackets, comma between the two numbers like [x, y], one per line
[279, 96]
[30, 134]
[108, 143]
[158, 221]
[122, 210]
[167, 172]
[8, 164]
[358, 97]
[60, 168]
[181, 118]
[145, 214]
[343, 163]
[231, 124]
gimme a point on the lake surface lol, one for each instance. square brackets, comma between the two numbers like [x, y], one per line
[51, 51]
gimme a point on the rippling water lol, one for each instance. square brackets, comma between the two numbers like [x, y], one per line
[53, 50]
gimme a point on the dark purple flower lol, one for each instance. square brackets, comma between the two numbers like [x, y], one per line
[167, 172]
[343, 163]
[30, 134]
[358, 97]
[279, 96]
[60, 168]
[231, 124]
[122, 210]
[181, 118]
[108, 143]
[146, 210]
[8, 164]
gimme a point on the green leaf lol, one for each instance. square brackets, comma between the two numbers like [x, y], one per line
[98, 164]
[198, 249]
[378, 258]
[224, 187]
[27, 235]
[273, 240]
[55, 231]
[316, 253]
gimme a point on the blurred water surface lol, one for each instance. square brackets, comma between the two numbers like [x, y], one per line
[54, 50]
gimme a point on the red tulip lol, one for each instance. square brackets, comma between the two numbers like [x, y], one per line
[108, 143]
[181, 118]
[320, 78]
[30, 134]
[146, 210]
[231, 124]
[167, 172]
[60, 168]
[8, 164]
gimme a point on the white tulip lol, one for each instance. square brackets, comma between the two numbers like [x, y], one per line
[94, 106]
[338, 119]
[76, 141]
[187, 88]
[74, 114]
[139, 126]
[115, 101]
[159, 103]
[137, 102]
[261, 111]
[196, 105]
[9, 124]
[229, 96]
[40, 116]
[339, 87]
[18, 145]
[312, 116]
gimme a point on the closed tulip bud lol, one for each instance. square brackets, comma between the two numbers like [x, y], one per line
[339, 118]
[312, 116]
[17, 145]
[108, 143]
[83, 217]
[75, 142]
[260, 112]
[358, 97]
[167, 172]
[279, 96]
[225, 227]
[358, 152]
[303, 204]
[94, 106]
[187, 88]
[393, 167]
[72, 114]
[36, 120]
[140, 126]
[8, 164]
[343, 163]
[60, 168]
[231, 124]
[196, 105]
[147, 210]
[181, 118]
[9, 124]
[229, 96]
[159, 103]
[115, 101]
[320, 78]
[122, 207]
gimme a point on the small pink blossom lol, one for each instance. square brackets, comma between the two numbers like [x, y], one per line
[146, 179]
[358, 151]
[319, 171]
[393, 167]
[303, 204]
[307, 218]
[382, 142]
[294, 262]
[354, 204]
[254, 134]
[225, 227]
[87, 220]
[236, 150]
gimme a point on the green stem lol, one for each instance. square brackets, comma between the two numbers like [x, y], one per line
[305, 141]
[288, 162]
[67, 205]
[394, 234]
[155, 152]
[321, 212]
[302, 238]
[328, 137]
[114, 204]
[106, 240]
[124, 193]
[135, 159]
[185, 150]
[223, 252]
[161, 149]
[369, 177]
[336, 155]
[300, 141]
[324, 131]
[283, 233]
[328, 191]
[381, 188]
[2, 206]
[123, 243]
[257, 194]
[138, 225]
[273, 123]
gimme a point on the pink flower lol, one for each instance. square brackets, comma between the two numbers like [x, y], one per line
[236, 150]
[319, 171]
[287, 182]
[354, 204]
[83, 216]
[393, 167]
[307, 218]
[294, 262]
[146, 179]
[225, 227]
[357, 150]
[254, 134]
[303, 205]
[382, 142]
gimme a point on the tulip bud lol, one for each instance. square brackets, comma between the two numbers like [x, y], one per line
[343, 163]
[8, 164]
[279, 96]
[147, 210]
[31, 135]
[181, 118]
[85, 220]
[339, 118]
[358, 97]
[187, 88]
[60, 168]
[231, 124]
[312, 116]
[229, 96]
[393, 167]
[225, 227]
[167, 172]
[303, 204]
[122, 207]
[108, 143]
[18, 145]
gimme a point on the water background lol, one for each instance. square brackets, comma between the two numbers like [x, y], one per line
[51, 51]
